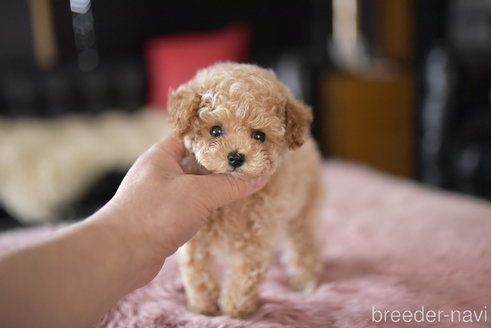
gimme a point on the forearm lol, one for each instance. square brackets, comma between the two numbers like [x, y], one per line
[72, 279]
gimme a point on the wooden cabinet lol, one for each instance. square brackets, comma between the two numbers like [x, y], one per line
[369, 118]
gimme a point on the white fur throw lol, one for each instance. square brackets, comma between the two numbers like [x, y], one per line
[46, 164]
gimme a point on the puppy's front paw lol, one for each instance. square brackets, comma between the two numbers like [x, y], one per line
[205, 307]
[303, 284]
[308, 288]
[239, 306]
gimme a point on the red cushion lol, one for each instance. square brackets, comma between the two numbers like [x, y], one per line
[173, 60]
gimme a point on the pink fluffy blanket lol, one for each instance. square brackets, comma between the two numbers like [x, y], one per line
[396, 254]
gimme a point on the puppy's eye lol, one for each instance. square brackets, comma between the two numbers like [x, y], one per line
[258, 135]
[216, 131]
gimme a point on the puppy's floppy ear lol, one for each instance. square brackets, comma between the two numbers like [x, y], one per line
[298, 119]
[183, 107]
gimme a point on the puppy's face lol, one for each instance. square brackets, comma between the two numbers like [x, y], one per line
[238, 119]
[239, 137]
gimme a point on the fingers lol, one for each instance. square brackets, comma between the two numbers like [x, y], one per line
[214, 190]
[172, 146]
[220, 189]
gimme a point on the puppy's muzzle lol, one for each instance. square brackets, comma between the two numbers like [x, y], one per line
[235, 159]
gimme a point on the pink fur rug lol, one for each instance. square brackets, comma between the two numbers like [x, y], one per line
[389, 245]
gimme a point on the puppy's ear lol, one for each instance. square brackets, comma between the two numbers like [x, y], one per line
[183, 106]
[298, 119]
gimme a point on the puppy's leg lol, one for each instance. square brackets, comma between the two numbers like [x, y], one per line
[199, 277]
[239, 297]
[303, 254]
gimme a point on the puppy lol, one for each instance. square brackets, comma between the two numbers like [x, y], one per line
[239, 119]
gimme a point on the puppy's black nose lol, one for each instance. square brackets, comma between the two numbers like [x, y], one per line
[235, 159]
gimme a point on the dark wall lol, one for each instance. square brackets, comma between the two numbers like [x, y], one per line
[121, 30]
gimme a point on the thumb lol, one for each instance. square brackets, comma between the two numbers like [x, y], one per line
[217, 190]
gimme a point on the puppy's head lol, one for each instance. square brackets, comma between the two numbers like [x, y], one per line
[238, 119]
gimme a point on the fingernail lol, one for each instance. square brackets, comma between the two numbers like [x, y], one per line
[259, 181]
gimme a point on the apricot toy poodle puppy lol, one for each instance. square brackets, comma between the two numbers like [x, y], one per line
[239, 119]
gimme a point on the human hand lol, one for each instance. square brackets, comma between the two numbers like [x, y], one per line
[158, 207]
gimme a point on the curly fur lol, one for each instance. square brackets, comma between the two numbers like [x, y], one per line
[244, 98]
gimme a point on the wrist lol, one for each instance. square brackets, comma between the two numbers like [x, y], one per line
[128, 240]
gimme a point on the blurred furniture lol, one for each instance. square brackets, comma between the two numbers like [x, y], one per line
[411, 94]
[366, 96]
[39, 70]
[369, 118]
